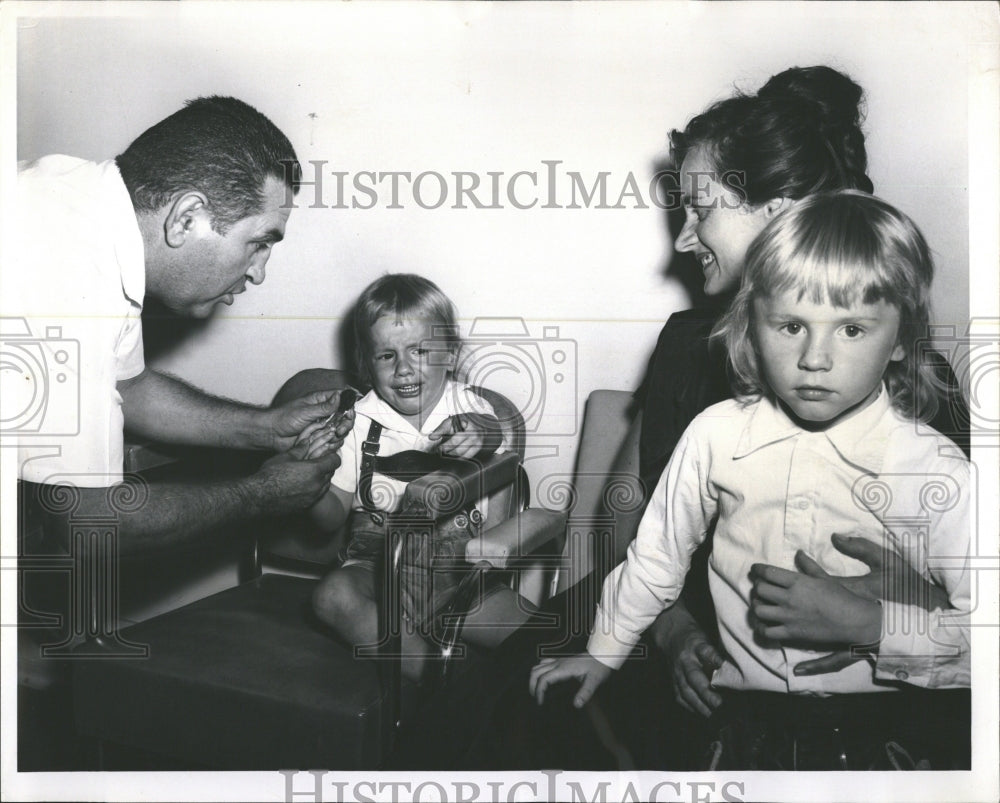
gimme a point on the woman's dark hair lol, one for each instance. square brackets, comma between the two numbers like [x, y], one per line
[800, 134]
[219, 146]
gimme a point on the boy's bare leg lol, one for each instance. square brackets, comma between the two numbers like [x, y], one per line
[345, 600]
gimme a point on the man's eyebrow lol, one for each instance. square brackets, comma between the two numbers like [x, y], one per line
[271, 235]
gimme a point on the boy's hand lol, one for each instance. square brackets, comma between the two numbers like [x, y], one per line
[591, 672]
[467, 435]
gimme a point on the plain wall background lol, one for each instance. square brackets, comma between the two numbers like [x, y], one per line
[483, 87]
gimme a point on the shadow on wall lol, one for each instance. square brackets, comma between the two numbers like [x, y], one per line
[164, 330]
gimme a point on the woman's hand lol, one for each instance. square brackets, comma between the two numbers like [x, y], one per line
[810, 607]
[693, 658]
[467, 435]
[891, 578]
[591, 672]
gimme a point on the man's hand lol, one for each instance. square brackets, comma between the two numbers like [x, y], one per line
[289, 421]
[468, 435]
[322, 438]
[287, 485]
[591, 672]
[693, 658]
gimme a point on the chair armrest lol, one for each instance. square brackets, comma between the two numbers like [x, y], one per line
[515, 537]
[445, 492]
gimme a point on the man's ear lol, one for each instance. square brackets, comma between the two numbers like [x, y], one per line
[185, 215]
[776, 205]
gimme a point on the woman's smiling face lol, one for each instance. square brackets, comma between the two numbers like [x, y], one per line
[719, 226]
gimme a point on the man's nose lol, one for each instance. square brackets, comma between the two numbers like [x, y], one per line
[256, 273]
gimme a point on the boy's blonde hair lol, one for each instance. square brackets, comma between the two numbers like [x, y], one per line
[840, 248]
[403, 296]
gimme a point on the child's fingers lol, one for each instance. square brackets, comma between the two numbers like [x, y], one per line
[308, 432]
[536, 671]
[587, 689]
[546, 676]
[463, 444]
[444, 429]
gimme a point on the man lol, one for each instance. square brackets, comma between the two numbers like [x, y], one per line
[188, 214]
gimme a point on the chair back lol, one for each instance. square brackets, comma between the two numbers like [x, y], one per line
[608, 499]
[295, 545]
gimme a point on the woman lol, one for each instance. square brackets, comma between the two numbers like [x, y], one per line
[742, 161]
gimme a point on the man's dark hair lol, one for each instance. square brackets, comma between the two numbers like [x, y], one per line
[219, 146]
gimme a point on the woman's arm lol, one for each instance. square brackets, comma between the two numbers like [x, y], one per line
[692, 655]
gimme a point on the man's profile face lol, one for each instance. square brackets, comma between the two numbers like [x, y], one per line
[217, 267]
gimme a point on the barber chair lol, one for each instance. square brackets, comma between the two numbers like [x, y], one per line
[246, 679]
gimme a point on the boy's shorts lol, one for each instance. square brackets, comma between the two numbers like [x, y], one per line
[912, 728]
[432, 567]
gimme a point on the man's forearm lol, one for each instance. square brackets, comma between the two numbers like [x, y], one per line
[170, 410]
[151, 517]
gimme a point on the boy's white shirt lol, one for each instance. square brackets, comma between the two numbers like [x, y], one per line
[399, 435]
[778, 488]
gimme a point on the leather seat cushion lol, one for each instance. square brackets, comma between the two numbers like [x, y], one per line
[244, 680]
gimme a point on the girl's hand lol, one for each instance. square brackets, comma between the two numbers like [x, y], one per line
[467, 435]
[591, 672]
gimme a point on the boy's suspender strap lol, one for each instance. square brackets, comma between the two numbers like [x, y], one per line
[369, 451]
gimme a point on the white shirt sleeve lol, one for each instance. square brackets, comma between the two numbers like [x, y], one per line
[931, 649]
[651, 578]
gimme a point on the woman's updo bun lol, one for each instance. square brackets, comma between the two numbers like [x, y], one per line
[800, 134]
